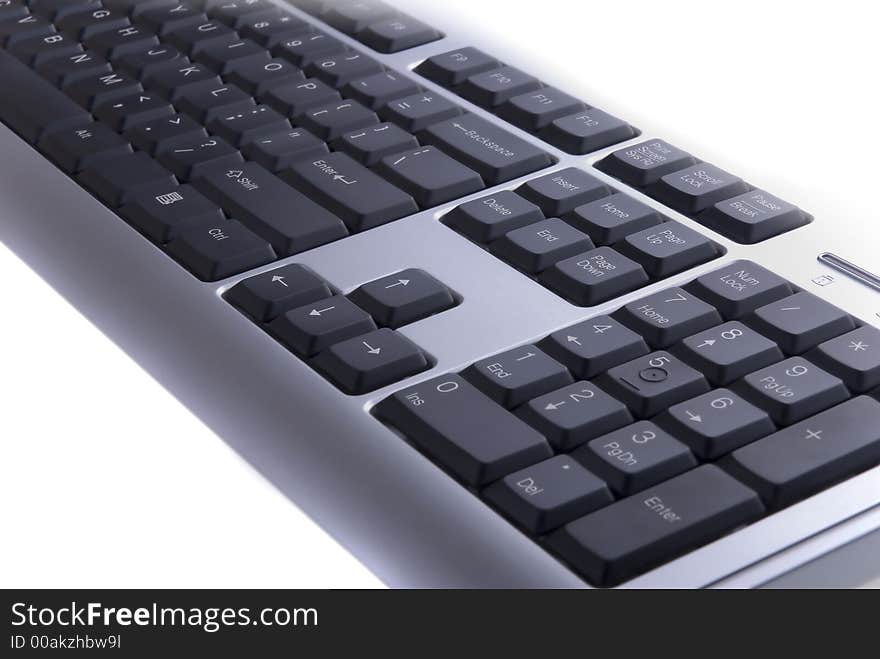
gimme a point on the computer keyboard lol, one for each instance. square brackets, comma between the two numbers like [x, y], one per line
[236, 134]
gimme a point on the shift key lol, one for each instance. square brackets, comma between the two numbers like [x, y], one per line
[494, 153]
[280, 214]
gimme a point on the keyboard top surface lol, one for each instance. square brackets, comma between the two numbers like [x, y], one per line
[500, 307]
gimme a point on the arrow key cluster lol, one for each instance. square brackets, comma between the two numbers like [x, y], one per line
[340, 335]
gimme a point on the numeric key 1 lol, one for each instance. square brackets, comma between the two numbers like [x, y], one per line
[518, 375]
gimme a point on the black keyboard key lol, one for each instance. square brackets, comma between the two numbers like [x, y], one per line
[635, 457]
[716, 423]
[36, 50]
[269, 28]
[285, 217]
[74, 149]
[135, 8]
[112, 44]
[593, 346]
[56, 9]
[30, 105]
[173, 81]
[303, 49]
[171, 17]
[740, 288]
[536, 247]
[492, 88]
[309, 329]
[563, 191]
[370, 361]
[369, 145]
[418, 111]
[429, 175]
[812, 455]
[535, 109]
[516, 376]
[89, 21]
[487, 219]
[378, 89]
[594, 276]
[667, 317]
[267, 295]
[334, 119]
[853, 357]
[728, 352]
[587, 131]
[25, 27]
[549, 494]
[185, 156]
[611, 219]
[456, 66]
[800, 322]
[697, 187]
[631, 536]
[753, 216]
[279, 151]
[117, 180]
[62, 71]
[354, 17]
[141, 61]
[463, 430]
[246, 125]
[95, 89]
[158, 135]
[207, 100]
[650, 384]
[295, 98]
[213, 250]
[235, 14]
[13, 10]
[122, 113]
[195, 38]
[258, 76]
[644, 164]
[161, 216]
[338, 69]
[391, 35]
[574, 414]
[357, 195]
[494, 153]
[228, 56]
[403, 298]
[668, 248]
[792, 390]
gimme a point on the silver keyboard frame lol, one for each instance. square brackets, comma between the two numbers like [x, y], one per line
[397, 512]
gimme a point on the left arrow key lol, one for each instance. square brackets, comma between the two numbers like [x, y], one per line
[269, 294]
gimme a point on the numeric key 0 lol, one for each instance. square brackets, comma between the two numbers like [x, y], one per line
[447, 418]
[518, 375]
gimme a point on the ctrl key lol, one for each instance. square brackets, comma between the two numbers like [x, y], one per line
[218, 249]
[643, 531]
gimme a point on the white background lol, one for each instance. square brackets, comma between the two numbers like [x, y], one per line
[107, 481]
